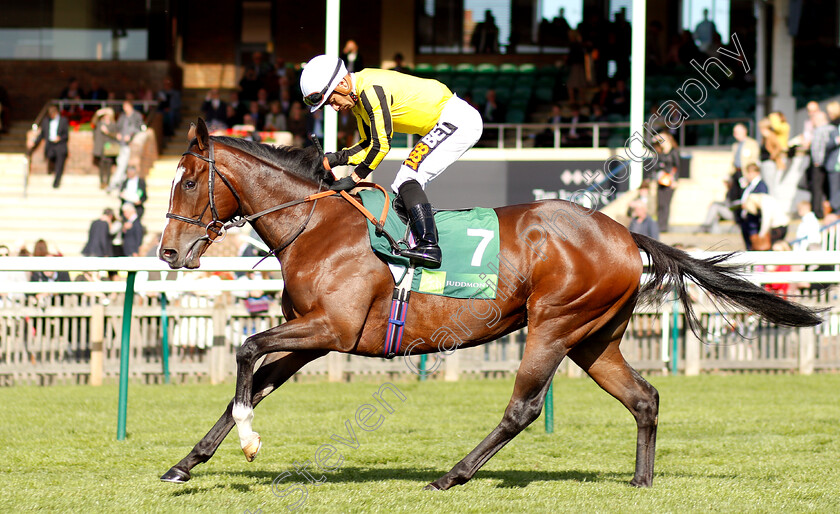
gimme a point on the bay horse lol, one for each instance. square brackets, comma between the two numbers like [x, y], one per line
[571, 276]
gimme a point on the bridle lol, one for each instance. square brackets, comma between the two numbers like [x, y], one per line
[220, 228]
[217, 226]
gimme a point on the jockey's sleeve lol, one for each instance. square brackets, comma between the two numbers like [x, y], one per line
[377, 134]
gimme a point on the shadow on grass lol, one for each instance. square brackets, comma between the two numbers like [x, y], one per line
[423, 476]
[506, 478]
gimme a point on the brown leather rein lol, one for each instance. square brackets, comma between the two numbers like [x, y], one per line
[220, 228]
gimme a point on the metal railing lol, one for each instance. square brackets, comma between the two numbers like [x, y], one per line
[524, 134]
[73, 332]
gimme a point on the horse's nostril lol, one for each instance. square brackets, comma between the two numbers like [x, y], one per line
[168, 254]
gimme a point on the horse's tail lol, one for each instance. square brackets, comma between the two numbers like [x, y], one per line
[670, 266]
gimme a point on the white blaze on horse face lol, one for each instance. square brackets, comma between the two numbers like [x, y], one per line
[243, 415]
[179, 173]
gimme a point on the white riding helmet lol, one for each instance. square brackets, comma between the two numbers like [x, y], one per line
[319, 78]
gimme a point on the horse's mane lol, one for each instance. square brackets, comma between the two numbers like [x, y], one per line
[304, 162]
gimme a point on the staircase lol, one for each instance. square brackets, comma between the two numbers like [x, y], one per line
[63, 216]
[14, 141]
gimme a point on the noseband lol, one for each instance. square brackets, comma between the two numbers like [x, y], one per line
[217, 226]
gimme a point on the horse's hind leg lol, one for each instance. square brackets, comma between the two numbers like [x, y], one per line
[271, 374]
[535, 371]
[601, 358]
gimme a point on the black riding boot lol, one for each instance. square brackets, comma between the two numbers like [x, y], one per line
[426, 251]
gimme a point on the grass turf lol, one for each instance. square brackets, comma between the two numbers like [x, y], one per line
[726, 443]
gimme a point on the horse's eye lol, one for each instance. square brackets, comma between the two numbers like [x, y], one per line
[189, 184]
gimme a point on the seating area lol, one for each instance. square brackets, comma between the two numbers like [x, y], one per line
[519, 88]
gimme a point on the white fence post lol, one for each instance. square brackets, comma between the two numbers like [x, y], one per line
[692, 353]
[97, 338]
[807, 350]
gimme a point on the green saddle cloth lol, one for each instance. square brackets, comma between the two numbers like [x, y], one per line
[469, 241]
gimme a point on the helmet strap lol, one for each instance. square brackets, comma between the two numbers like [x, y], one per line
[346, 91]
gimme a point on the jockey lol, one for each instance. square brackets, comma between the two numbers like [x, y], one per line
[385, 102]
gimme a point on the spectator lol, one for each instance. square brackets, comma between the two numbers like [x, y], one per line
[485, 36]
[773, 216]
[704, 32]
[169, 105]
[41, 250]
[97, 93]
[641, 222]
[823, 156]
[576, 64]
[602, 97]
[261, 66]
[812, 109]
[285, 98]
[399, 64]
[744, 152]
[780, 288]
[275, 120]
[347, 129]
[654, 47]
[491, 111]
[144, 95]
[781, 128]
[129, 124]
[72, 91]
[99, 243]
[808, 231]
[832, 110]
[235, 109]
[750, 222]
[256, 116]
[771, 155]
[620, 99]
[132, 231]
[667, 166]
[215, 110]
[545, 139]
[315, 125]
[133, 190]
[351, 57]
[55, 130]
[575, 135]
[7, 277]
[262, 100]
[296, 124]
[105, 145]
[560, 28]
[829, 133]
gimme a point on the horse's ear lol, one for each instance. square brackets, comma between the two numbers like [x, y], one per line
[191, 132]
[202, 134]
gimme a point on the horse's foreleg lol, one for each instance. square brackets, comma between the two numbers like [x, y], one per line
[535, 371]
[298, 335]
[605, 364]
[272, 373]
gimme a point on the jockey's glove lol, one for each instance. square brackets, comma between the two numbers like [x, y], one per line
[333, 159]
[344, 184]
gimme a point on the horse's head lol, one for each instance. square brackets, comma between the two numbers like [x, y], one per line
[201, 201]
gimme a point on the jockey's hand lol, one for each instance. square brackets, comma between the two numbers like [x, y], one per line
[331, 160]
[345, 184]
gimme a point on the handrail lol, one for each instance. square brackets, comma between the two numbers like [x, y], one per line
[135, 264]
[596, 128]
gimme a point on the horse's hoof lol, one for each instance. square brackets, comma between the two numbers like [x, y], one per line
[432, 487]
[641, 483]
[252, 448]
[176, 476]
